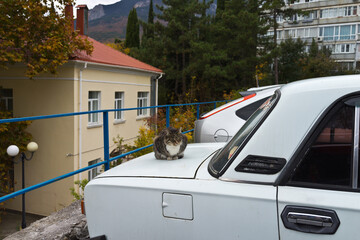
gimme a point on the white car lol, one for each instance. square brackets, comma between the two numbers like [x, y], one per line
[222, 123]
[290, 173]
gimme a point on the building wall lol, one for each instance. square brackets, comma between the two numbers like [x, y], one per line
[344, 50]
[59, 139]
[108, 80]
[43, 96]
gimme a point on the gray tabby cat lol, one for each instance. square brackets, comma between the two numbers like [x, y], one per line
[170, 144]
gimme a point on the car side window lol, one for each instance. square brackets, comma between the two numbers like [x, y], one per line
[329, 158]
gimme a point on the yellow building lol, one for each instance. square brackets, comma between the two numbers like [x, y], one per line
[107, 79]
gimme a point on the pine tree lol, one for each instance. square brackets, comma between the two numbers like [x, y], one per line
[132, 30]
[151, 13]
[183, 18]
[236, 34]
[220, 5]
[272, 10]
[149, 27]
[291, 56]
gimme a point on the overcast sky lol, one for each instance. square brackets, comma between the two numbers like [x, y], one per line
[92, 3]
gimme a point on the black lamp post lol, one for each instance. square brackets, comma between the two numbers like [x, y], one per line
[12, 151]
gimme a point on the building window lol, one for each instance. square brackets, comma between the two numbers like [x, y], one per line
[94, 171]
[142, 102]
[333, 33]
[279, 19]
[6, 99]
[119, 104]
[342, 48]
[338, 12]
[94, 105]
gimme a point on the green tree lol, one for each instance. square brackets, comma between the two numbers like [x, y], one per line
[295, 64]
[237, 35]
[183, 20]
[202, 57]
[319, 63]
[291, 55]
[271, 11]
[151, 13]
[148, 27]
[220, 7]
[132, 30]
[33, 33]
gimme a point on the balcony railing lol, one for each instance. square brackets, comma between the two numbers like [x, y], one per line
[107, 158]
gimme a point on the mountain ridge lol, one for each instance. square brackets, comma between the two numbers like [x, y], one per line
[107, 22]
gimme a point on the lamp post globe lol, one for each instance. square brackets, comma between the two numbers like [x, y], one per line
[32, 147]
[12, 150]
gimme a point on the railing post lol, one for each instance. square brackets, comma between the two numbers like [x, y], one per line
[106, 140]
[197, 111]
[167, 116]
[214, 105]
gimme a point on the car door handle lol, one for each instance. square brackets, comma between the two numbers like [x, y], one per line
[310, 220]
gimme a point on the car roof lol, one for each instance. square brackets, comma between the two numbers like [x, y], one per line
[299, 107]
[322, 84]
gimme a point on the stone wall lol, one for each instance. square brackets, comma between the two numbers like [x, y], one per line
[66, 224]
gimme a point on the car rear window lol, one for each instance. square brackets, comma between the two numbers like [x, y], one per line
[245, 112]
[221, 161]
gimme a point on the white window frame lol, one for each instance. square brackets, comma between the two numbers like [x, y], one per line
[344, 48]
[346, 11]
[92, 173]
[119, 104]
[336, 36]
[94, 104]
[142, 101]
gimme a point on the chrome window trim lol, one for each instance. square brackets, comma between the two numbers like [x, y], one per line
[356, 148]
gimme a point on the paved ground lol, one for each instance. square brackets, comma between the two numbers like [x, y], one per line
[11, 222]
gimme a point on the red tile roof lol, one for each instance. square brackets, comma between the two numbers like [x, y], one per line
[107, 55]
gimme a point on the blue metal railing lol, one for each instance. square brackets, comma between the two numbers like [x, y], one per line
[107, 158]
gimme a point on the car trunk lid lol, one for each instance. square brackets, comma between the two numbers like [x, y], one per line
[149, 166]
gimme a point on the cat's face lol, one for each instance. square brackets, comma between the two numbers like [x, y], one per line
[173, 137]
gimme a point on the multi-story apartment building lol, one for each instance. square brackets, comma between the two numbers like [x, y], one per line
[334, 24]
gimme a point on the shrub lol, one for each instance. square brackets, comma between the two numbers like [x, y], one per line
[10, 133]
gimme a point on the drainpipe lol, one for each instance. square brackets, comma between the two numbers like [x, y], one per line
[80, 125]
[157, 97]
[157, 88]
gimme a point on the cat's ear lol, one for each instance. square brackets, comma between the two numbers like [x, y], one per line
[180, 130]
[167, 132]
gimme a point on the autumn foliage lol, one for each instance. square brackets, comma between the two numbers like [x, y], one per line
[180, 117]
[11, 133]
[35, 33]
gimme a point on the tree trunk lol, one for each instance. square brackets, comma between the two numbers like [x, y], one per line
[183, 71]
[276, 67]
[176, 78]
